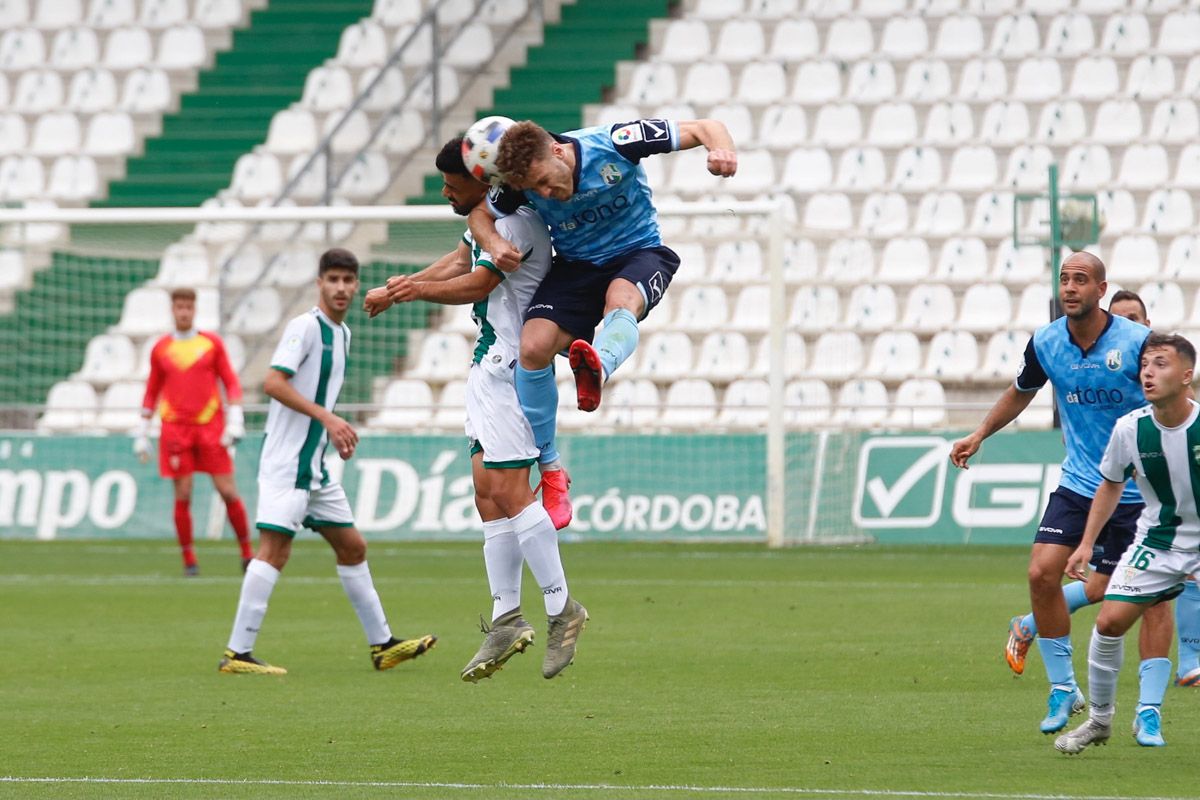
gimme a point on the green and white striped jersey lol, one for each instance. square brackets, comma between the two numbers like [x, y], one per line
[501, 314]
[1165, 462]
[313, 353]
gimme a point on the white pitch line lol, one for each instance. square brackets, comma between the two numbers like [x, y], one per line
[580, 787]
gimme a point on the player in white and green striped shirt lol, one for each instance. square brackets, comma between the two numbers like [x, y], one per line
[1159, 446]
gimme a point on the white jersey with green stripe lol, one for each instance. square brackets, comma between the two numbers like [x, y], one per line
[1165, 462]
[501, 314]
[313, 353]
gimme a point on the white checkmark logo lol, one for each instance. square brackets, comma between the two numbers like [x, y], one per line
[887, 499]
[927, 454]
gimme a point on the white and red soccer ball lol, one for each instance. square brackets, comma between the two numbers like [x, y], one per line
[481, 145]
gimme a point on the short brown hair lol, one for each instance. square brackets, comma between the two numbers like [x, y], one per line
[183, 294]
[337, 258]
[522, 144]
[1125, 295]
[1159, 341]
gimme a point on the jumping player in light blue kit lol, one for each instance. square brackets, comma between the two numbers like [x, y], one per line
[1091, 359]
[610, 263]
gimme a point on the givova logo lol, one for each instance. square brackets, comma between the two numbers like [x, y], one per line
[901, 482]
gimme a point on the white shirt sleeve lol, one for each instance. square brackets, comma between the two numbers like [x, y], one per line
[1117, 463]
[294, 346]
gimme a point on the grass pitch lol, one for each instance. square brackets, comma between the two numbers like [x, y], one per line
[706, 671]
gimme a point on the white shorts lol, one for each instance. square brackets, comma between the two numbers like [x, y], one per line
[495, 422]
[1147, 575]
[286, 509]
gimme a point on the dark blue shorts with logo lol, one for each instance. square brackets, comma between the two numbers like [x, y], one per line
[1066, 516]
[572, 293]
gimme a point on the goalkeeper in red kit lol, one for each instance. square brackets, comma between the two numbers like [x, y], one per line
[196, 431]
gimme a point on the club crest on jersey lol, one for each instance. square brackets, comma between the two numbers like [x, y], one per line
[293, 343]
[611, 174]
[627, 134]
[1113, 360]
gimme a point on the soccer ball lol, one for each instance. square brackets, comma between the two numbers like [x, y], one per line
[481, 145]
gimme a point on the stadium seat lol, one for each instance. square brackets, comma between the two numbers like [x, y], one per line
[724, 356]
[1164, 304]
[849, 262]
[871, 308]
[631, 404]
[1175, 121]
[1015, 36]
[795, 356]
[1038, 80]
[128, 48]
[1070, 36]
[1143, 167]
[70, 405]
[1039, 414]
[292, 267]
[972, 167]
[881, 8]
[983, 79]
[893, 124]
[1150, 76]
[1126, 35]
[1183, 260]
[929, 307]
[55, 133]
[14, 14]
[794, 39]
[108, 358]
[21, 178]
[756, 173]
[829, 211]
[217, 13]
[903, 261]
[92, 91]
[1004, 123]
[183, 264]
[1027, 166]
[904, 37]
[959, 36]
[1179, 32]
[108, 14]
[849, 38]
[820, 82]
[1004, 355]
[652, 83]
[919, 403]
[1187, 172]
[352, 136]
[808, 170]
[406, 405]
[146, 91]
[689, 172]
[75, 49]
[1168, 211]
[73, 178]
[256, 176]
[861, 168]
[737, 262]
[926, 80]
[121, 407]
[718, 9]
[1087, 167]
[1033, 307]
[918, 169]
[949, 124]
[985, 307]
[385, 94]
[182, 47]
[735, 116]
[894, 355]
[701, 308]
[327, 89]
[38, 91]
[837, 356]
[146, 311]
[993, 214]
[1191, 78]
[861, 403]
[952, 356]
[836, 124]
[1117, 122]
[292, 130]
[1134, 258]
[690, 403]
[963, 261]
[807, 402]
[745, 404]
[761, 83]
[472, 46]
[450, 411]
[740, 40]
[1061, 122]
[159, 14]
[772, 9]
[940, 214]
[1095, 78]
[1018, 265]
[54, 14]
[664, 356]
[22, 48]
[257, 312]
[440, 357]
[870, 82]
[884, 214]
[706, 83]
[13, 274]
[685, 41]
[363, 44]
[402, 133]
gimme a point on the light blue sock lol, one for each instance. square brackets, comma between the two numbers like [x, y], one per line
[1056, 655]
[1153, 676]
[1076, 599]
[538, 394]
[1187, 620]
[617, 340]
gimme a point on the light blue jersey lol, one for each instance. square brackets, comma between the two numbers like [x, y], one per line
[1093, 390]
[611, 212]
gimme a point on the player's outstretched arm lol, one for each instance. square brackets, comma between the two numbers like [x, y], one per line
[456, 262]
[470, 288]
[483, 227]
[278, 386]
[1007, 408]
[1103, 506]
[714, 137]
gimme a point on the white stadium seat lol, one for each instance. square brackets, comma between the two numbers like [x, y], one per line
[723, 356]
[737, 262]
[54, 14]
[861, 168]
[894, 355]
[450, 411]
[884, 214]
[918, 169]
[1117, 121]
[441, 357]
[837, 356]
[651, 83]
[665, 355]
[949, 124]
[159, 14]
[837, 124]
[893, 124]
[849, 38]
[940, 214]
[795, 356]
[904, 37]
[1150, 76]
[919, 403]
[929, 307]
[1143, 167]
[1004, 354]
[685, 41]
[871, 308]
[1094, 78]
[1126, 35]
[1175, 121]
[1187, 172]
[794, 40]
[814, 309]
[1004, 123]
[1033, 308]
[820, 82]
[962, 261]
[745, 404]
[871, 82]
[850, 262]
[952, 355]
[183, 264]
[701, 308]
[861, 403]
[993, 214]
[985, 307]
[146, 311]
[1164, 304]
[808, 170]
[829, 211]
[362, 44]
[108, 358]
[326, 89]
[217, 13]
[38, 91]
[1183, 260]
[1087, 167]
[472, 46]
[257, 312]
[1061, 121]
[292, 131]
[972, 167]
[807, 402]
[959, 36]
[926, 80]
[740, 40]
[21, 48]
[800, 262]
[631, 403]
[406, 405]
[1070, 35]
[73, 178]
[1018, 265]
[55, 133]
[92, 91]
[121, 407]
[146, 91]
[1134, 258]
[1027, 166]
[128, 48]
[70, 405]
[690, 403]
[1179, 33]
[904, 261]
[1168, 211]
[707, 82]
[983, 79]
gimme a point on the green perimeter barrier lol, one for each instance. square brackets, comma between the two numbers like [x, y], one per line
[887, 487]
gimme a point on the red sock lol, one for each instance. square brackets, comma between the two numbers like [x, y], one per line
[183, 531]
[237, 518]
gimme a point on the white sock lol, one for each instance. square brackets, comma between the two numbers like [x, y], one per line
[539, 544]
[257, 586]
[356, 580]
[1105, 654]
[503, 560]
